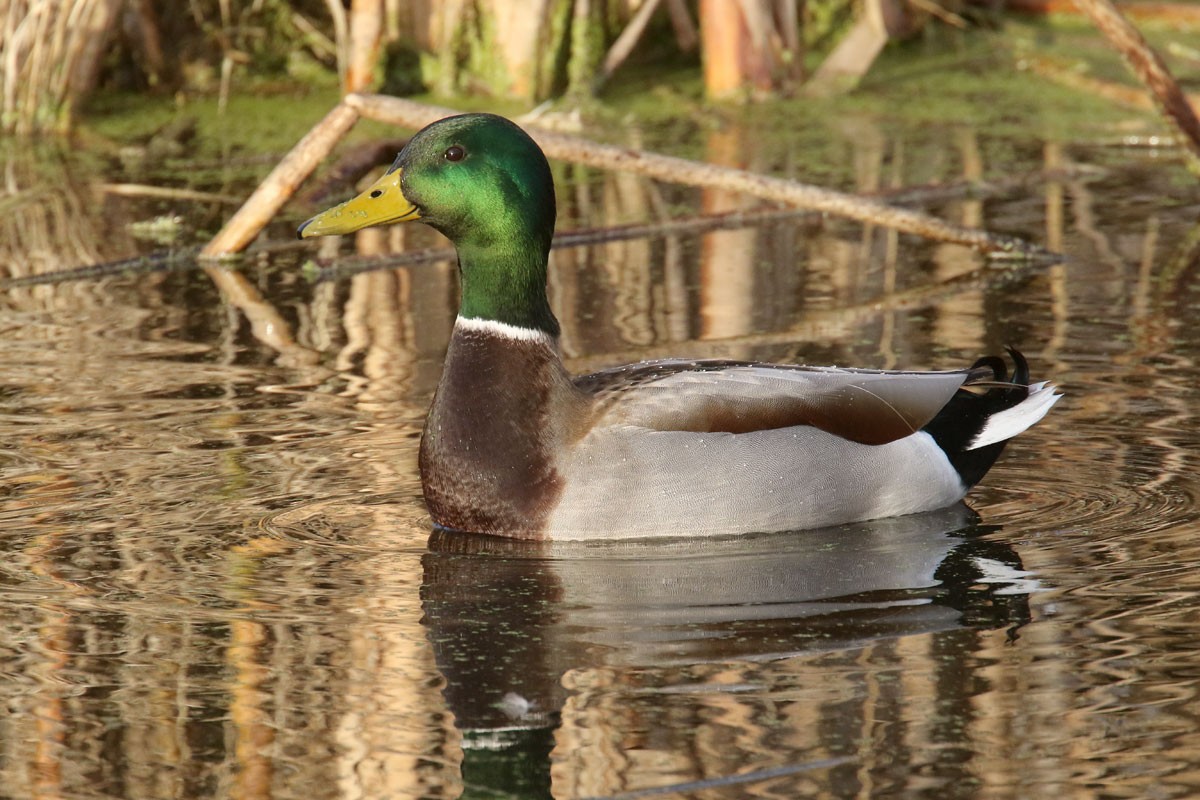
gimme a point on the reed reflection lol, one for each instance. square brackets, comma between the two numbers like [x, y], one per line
[582, 656]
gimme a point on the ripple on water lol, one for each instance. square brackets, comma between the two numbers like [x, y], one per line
[363, 523]
[1116, 458]
[1102, 502]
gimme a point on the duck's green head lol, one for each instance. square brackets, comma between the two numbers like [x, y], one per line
[481, 181]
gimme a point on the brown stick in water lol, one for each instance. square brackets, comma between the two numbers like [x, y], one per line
[356, 163]
[279, 186]
[1148, 67]
[413, 115]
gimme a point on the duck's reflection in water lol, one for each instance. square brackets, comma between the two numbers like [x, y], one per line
[514, 624]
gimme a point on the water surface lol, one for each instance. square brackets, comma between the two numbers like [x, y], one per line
[218, 579]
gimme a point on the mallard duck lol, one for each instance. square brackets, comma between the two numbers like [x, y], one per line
[515, 446]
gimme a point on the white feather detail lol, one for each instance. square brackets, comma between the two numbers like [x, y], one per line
[503, 330]
[1008, 423]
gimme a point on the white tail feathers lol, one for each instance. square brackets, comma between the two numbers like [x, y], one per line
[1008, 423]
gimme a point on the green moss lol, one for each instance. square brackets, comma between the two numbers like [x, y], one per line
[261, 123]
[125, 117]
[976, 79]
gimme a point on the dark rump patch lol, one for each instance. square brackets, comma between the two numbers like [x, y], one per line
[964, 416]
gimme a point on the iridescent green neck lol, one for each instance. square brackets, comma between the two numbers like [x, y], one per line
[506, 282]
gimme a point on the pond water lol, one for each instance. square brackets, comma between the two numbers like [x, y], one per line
[218, 579]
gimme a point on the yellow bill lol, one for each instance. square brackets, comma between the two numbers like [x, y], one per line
[380, 204]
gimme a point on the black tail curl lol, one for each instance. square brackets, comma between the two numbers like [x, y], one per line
[961, 420]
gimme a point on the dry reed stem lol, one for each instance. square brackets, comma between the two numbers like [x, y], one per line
[341, 27]
[737, 57]
[1148, 67]
[166, 192]
[1182, 12]
[366, 33]
[944, 14]
[628, 39]
[414, 115]
[49, 52]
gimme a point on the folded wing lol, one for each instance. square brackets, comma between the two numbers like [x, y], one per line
[864, 406]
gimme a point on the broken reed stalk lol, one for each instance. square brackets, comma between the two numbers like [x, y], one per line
[678, 170]
[165, 192]
[279, 186]
[1148, 67]
[625, 43]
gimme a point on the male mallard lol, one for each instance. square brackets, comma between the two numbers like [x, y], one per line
[517, 447]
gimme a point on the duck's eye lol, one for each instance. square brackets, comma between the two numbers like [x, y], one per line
[455, 153]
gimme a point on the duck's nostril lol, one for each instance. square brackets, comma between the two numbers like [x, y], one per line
[376, 193]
